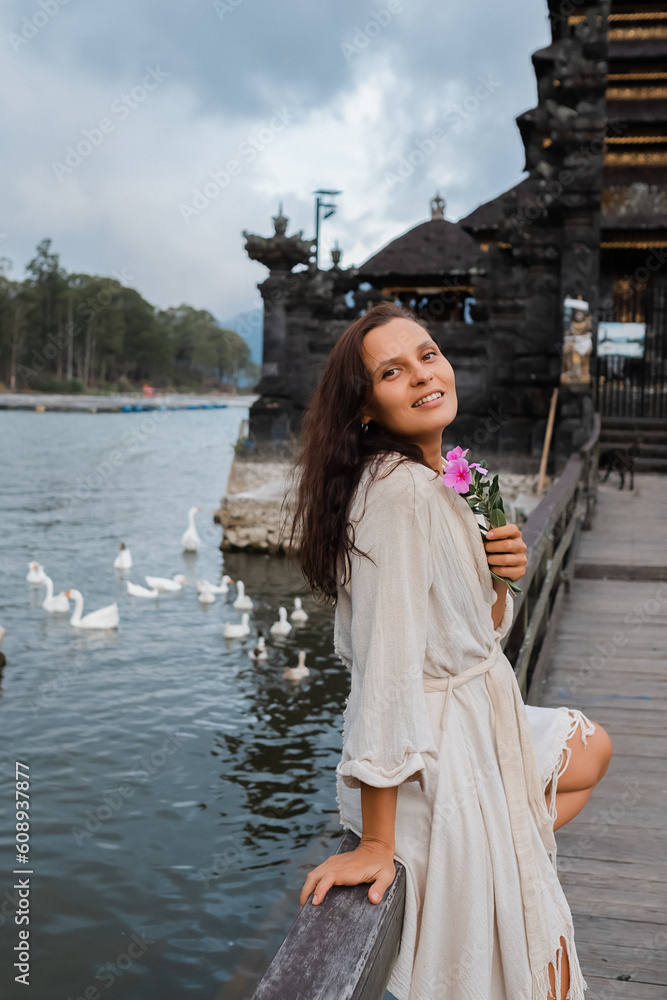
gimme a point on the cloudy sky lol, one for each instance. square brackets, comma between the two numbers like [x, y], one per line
[142, 136]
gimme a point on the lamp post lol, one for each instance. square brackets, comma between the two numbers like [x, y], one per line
[329, 208]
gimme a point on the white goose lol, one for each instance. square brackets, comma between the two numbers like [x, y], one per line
[206, 595]
[54, 605]
[242, 602]
[124, 558]
[136, 590]
[191, 540]
[236, 630]
[282, 626]
[298, 615]
[260, 651]
[104, 618]
[221, 588]
[297, 673]
[35, 573]
[163, 583]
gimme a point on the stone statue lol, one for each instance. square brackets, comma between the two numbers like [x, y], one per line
[279, 252]
[577, 343]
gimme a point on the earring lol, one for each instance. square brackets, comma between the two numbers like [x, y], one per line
[364, 427]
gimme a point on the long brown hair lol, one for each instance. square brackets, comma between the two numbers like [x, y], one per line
[332, 454]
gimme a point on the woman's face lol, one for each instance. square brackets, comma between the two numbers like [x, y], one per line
[405, 365]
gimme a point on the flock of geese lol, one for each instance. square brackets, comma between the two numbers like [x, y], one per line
[108, 617]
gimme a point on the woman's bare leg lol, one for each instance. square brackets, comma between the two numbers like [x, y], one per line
[564, 976]
[588, 764]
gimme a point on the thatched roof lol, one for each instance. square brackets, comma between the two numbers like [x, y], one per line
[432, 250]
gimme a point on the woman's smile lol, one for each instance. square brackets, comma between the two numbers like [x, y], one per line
[430, 400]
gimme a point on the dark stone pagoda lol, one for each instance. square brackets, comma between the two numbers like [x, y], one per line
[588, 222]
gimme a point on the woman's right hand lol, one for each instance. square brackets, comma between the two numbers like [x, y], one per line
[369, 862]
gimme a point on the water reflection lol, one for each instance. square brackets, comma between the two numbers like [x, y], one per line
[205, 851]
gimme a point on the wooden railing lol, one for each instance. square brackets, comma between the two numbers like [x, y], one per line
[344, 948]
[551, 534]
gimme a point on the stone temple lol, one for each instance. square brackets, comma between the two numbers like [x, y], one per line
[588, 222]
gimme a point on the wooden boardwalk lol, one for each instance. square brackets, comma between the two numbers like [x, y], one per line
[610, 660]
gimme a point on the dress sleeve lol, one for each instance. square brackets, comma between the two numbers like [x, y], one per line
[387, 737]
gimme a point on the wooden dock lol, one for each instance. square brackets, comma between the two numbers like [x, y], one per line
[610, 660]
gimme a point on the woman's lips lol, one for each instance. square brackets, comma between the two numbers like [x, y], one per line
[431, 403]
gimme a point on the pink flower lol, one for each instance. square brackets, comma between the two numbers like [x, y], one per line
[456, 453]
[457, 474]
[476, 465]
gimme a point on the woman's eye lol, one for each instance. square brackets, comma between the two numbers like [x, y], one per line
[430, 354]
[389, 371]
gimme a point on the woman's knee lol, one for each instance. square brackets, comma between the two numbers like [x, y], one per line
[588, 761]
[603, 749]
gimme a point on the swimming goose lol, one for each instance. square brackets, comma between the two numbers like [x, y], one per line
[221, 588]
[296, 673]
[106, 617]
[136, 590]
[282, 626]
[124, 558]
[205, 595]
[35, 573]
[298, 615]
[242, 602]
[191, 540]
[54, 605]
[260, 651]
[236, 630]
[165, 584]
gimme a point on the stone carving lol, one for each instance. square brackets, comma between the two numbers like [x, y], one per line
[279, 252]
[577, 342]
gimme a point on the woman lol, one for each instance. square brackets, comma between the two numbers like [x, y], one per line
[443, 767]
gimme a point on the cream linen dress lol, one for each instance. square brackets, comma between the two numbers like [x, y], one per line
[434, 708]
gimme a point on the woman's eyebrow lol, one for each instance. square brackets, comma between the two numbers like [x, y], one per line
[391, 361]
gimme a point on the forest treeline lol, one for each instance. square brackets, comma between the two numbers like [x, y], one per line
[63, 332]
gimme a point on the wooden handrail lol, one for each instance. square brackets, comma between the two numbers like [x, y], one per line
[344, 948]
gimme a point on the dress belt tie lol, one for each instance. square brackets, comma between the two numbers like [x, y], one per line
[449, 682]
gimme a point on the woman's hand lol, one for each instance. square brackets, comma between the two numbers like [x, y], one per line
[369, 862]
[506, 551]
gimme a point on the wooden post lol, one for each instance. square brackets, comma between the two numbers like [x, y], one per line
[547, 442]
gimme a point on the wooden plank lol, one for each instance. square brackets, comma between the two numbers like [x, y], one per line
[618, 571]
[345, 946]
[633, 933]
[596, 868]
[541, 668]
[614, 960]
[612, 989]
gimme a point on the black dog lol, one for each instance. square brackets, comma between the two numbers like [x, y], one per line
[620, 460]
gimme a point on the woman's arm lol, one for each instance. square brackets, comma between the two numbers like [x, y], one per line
[372, 861]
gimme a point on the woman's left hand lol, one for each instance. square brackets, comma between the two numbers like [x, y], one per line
[506, 551]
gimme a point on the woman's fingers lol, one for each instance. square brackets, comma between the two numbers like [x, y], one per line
[381, 884]
[350, 868]
[506, 551]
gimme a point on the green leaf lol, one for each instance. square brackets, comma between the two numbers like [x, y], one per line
[497, 518]
[514, 590]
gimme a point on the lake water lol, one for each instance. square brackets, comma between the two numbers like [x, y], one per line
[179, 793]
